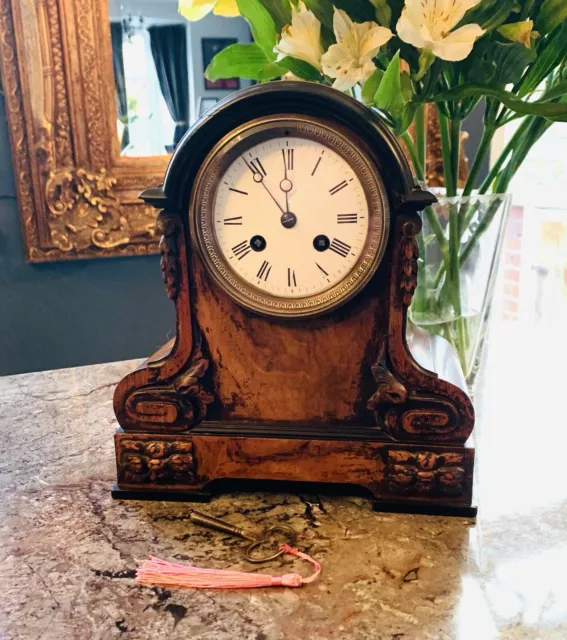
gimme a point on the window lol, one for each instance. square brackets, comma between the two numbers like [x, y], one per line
[150, 124]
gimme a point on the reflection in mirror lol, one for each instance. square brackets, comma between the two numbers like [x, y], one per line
[159, 61]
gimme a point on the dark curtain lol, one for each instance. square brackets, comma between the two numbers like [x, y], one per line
[120, 79]
[169, 49]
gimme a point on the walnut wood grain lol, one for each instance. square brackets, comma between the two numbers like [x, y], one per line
[190, 463]
[335, 398]
[309, 371]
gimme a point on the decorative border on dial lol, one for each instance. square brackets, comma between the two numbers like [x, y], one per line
[203, 199]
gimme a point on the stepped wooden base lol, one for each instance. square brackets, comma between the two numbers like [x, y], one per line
[399, 477]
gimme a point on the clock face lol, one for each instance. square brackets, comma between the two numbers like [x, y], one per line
[290, 217]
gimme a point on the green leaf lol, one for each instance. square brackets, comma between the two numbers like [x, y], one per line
[280, 10]
[426, 59]
[558, 91]
[261, 24]
[370, 87]
[389, 94]
[551, 110]
[551, 51]
[301, 69]
[407, 87]
[551, 15]
[383, 12]
[406, 119]
[243, 61]
[323, 10]
[358, 10]
[510, 60]
[482, 72]
[489, 14]
[392, 93]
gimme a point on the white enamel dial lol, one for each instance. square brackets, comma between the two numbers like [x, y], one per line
[291, 217]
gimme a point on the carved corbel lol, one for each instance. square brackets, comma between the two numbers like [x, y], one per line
[175, 405]
[440, 411]
[169, 226]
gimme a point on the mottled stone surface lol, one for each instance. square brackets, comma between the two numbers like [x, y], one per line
[68, 552]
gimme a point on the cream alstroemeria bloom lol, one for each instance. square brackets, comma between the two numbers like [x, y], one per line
[350, 60]
[196, 9]
[302, 38]
[428, 24]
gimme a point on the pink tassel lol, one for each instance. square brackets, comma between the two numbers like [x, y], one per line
[159, 573]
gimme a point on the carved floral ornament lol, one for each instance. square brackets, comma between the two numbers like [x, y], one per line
[426, 473]
[157, 461]
[85, 211]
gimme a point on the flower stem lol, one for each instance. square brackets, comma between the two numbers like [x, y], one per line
[455, 135]
[483, 147]
[421, 138]
[446, 153]
[414, 156]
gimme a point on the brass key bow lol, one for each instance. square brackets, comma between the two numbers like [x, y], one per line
[203, 520]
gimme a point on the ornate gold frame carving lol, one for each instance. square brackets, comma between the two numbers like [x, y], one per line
[78, 198]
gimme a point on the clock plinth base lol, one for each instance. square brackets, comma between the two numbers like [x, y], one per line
[398, 477]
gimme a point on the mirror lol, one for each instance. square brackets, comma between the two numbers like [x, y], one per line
[86, 140]
[159, 60]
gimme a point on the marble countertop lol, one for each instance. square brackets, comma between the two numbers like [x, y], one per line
[69, 552]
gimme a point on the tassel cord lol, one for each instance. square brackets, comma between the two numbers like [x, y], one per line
[160, 573]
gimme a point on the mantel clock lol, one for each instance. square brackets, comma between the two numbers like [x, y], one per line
[289, 218]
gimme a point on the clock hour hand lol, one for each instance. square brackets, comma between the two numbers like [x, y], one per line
[288, 218]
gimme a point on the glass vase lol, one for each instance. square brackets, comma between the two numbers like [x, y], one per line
[460, 247]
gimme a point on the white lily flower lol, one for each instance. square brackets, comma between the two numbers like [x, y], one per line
[428, 24]
[302, 38]
[350, 60]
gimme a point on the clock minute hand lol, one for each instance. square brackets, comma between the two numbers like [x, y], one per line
[259, 178]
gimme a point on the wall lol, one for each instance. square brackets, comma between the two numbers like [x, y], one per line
[211, 27]
[66, 314]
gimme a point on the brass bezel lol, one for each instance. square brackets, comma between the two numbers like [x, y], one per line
[202, 206]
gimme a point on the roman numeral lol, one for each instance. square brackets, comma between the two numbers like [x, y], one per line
[317, 164]
[233, 221]
[339, 187]
[340, 247]
[321, 269]
[264, 271]
[347, 218]
[241, 250]
[256, 166]
[291, 281]
[244, 193]
[288, 158]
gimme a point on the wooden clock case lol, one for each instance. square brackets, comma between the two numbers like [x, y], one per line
[335, 399]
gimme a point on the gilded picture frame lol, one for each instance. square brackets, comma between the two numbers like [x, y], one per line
[78, 197]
